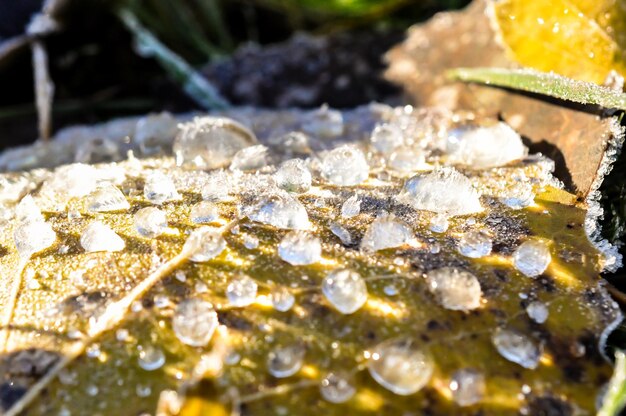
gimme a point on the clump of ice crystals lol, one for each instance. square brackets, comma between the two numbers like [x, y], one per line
[475, 244]
[345, 166]
[351, 207]
[299, 248]
[217, 186]
[400, 366]
[532, 257]
[71, 181]
[150, 222]
[32, 233]
[285, 361]
[241, 291]
[282, 211]
[210, 142]
[444, 191]
[345, 289]
[324, 123]
[386, 232]
[204, 212]
[250, 158]
[337, 387]
[516, 347]
[282, 299]
[454, 288]
[537, 311]
[155, 132]
[100, 237]
[482, 147]
[386, 138]
[204, 244]
[159, 188]
[467, 386]
[194, 322]
[106, 199]
[151, 358]
[293, 176]
[408, 159]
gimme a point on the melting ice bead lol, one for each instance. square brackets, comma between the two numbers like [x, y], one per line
[337, 388]
[155, 132]
[204, 212]
[537, 311]
[250, 241]
[205, 243]
[400, 366]
[342, 233]
[351, 207]
[467, 386]
[159, 188]
[250, 158]
[100, 237]
[484, 147]
[386, 138]
[150, 222]
[532, 258]
[519, 196]
[28, 211]
[454, 289]
[408, 159]
[300, 248]
[285, 361]
[210, 142]
[444, 191]
[33, 237]
[241, 291]
[106, 199]
[151, 358]
[282, 211]
[516, 347]
[324, 123]
[346, 290]
[194, 322]
[345, 166]
[282, 299]
[293, 176]
[386, 232]
[474, 244]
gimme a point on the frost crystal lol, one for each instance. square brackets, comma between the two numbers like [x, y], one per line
[106, 199]
[194, 322]
[454, 289]
[293, 176]
[439, 223]
[467, 387]
[474, 244]
[282, 299]
[386, 138]
[400, 366]
[210, 142]
[151, 358]
[345, 289]
[159, 188]
[241, 291]
[532, 258]
[217, 187]
[484, 147]
[324, 123]
[537, 311]
[345, 166]
[250, 158]
[386, 232]
[337, 388]
[444, 191]
[517, 348]
[281, 211]
[351, 207]
[204, 244]
[299, 248]
[204, 212]
[100, 237]
[32, 237]
[285, 361]
[150, 222]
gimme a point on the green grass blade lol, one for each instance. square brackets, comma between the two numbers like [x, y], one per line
[615, 397]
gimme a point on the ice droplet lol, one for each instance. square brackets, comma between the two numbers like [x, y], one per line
[285, 361]
[454, 288]
[537, 311]
[408, 159]
[444, 191]
[400, 366]
[194, 322]
[106, 199]
[516, 347]
[467, 386]
[151, 358]
[386, 232]
[250, 241]
[439, 223]
[204, 212]
[351, 207]
[299, 248]
[204, 244]
[345, 289]
[324, 123]
[386, 138]
[532, 257]
[281, 211]
[210, 142]
[241, 291]
[337, 388]
[155, 132]
[282, 299]
[342, 233]
[519, 196]
[150, 222]
[100, 237]
[474, 244]
[159, 188]
[250, 158]
[345, 166]
[293, 176]
[28, 211]
[33, 237]
[217, 186]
